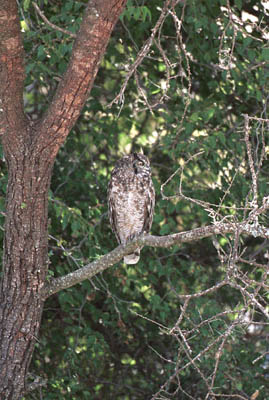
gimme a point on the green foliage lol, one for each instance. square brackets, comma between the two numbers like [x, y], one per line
[110, 337]
[138, 13]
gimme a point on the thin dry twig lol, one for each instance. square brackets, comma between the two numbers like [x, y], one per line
[119, 99]
[53, 26]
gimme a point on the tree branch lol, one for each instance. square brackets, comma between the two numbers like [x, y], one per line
[57, 28]
[12, 116]
[142, 54]
[98, 22]
[106, 261]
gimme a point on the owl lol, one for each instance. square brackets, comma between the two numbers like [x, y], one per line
[131, 200]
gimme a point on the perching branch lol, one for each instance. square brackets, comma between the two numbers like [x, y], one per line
[110, 259]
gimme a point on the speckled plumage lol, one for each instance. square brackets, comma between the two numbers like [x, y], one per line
[131, 200]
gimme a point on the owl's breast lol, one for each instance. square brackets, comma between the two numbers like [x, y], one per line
[129, 198]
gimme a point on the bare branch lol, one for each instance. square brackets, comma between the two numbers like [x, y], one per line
[142, 54]
[106, 261]
[55, 27]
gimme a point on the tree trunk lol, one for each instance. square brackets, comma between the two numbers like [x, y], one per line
[30, 150]
[25, 265]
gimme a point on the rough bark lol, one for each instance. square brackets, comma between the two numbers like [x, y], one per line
[73, 90]
[25, 266]
[30, 150]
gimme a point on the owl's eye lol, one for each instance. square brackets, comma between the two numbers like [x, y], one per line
[138, 163]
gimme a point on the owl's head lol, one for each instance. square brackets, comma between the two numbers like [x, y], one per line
[141, 164]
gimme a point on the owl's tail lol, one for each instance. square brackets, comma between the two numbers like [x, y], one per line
[132, 258]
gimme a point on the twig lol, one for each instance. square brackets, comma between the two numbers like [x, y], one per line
[141, 55]
[57, 28]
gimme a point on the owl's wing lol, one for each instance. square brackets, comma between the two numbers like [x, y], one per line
[112, 215]
[149, 209]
